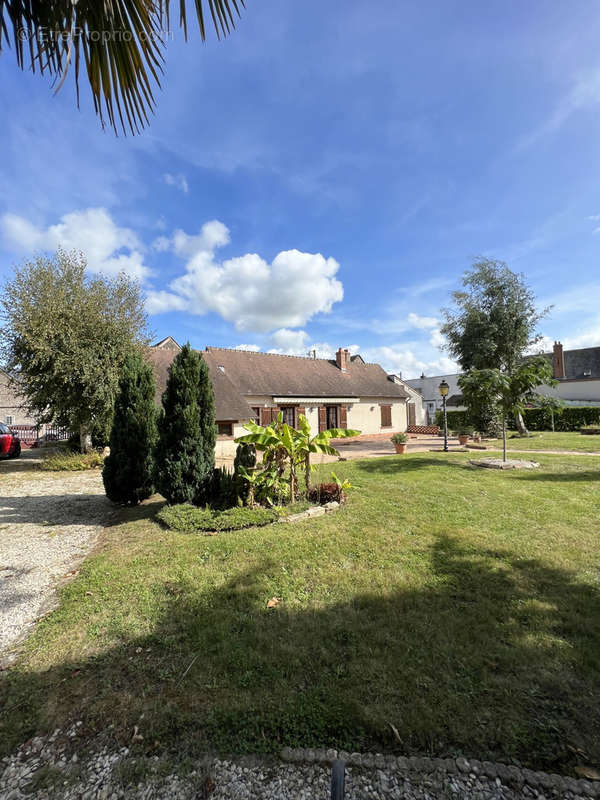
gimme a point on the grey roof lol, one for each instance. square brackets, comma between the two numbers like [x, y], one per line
[583, 363]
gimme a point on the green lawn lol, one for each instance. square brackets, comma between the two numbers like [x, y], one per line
[460, 606]
[547, 440]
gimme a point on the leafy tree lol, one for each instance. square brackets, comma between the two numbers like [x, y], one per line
[121, 43]
[508, 393]
[493, 322]
[66, 336]
[187, 431]
[128, 470]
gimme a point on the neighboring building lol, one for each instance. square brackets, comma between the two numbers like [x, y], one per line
[577, 373]
[428, 388]
[344, 392]
[415, 413]
[13, 408]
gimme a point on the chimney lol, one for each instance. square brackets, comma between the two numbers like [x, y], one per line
[558, 361]
[341, 359]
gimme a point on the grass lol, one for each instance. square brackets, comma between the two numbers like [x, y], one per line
[460, 606]
[548, 440]
[65, 461]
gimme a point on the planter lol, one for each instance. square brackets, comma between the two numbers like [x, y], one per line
[463, 438]
[400, 448]
[476, 437]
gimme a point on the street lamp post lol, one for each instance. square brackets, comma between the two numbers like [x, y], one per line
[444, 387]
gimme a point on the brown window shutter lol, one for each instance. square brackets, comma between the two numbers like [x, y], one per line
[300, 410]
[274, 412]
[265, 416]
[343, 417]
[322, 419]
[386, 416]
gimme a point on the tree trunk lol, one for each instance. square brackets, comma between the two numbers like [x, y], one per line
[85, 439]
[552, 418]
[521, 427]
[503, 438]
[307, 473]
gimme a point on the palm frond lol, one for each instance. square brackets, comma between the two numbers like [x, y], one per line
[122, 43]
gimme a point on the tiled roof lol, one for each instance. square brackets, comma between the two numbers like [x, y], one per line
[237, 374]
[296, 376]
[229, 405]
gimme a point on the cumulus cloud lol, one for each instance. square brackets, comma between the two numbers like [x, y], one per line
[422, 323]
[251, 348]
[108, 247]
[246, 290]
[179, 181]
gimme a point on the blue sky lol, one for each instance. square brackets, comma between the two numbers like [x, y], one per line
[324, 176]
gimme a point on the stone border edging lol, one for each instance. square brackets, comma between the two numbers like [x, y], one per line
[313, 511]
[506, 773]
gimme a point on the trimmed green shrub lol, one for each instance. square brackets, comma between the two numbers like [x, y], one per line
[245, 456]
[128, 470]
[64, 461]
[571, 418]
[187, 518]
[187, 431]
[455, 420]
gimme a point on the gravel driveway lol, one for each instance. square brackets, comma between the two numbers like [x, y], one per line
[48, 523]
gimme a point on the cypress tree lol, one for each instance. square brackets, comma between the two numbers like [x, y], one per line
[187, 431]
[128, 470]
[245, 456]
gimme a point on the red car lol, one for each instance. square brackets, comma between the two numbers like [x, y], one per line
[10, 444]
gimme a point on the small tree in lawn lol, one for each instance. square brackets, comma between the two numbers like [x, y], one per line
[507, 393]
[187, 431]
[553, 405]
[128, 470]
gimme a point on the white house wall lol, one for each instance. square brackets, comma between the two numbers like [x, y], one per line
[577, 391]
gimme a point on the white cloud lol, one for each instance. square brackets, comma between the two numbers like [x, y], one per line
[246, 290]
[437, 339]
[179, 181]
[402, 360]
[107, 247]
[290, 341]
[422, 323]
[251, 348]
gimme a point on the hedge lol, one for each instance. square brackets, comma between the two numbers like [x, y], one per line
[571, 418]
[187, 518]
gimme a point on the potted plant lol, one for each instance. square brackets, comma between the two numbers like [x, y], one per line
[399, 441]
[463, 435]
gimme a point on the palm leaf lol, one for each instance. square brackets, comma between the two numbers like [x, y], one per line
[122, 42]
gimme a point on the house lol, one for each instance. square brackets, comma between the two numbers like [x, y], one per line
[344, 392]
[428, 388]
[577, 373]
[13, 408]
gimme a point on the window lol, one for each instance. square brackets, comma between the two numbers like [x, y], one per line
[256, 411]
[225, 428]
[386, 416]
[289, 415]
[332, 417]
[9, 420]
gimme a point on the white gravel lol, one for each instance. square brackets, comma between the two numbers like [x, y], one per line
[57, 766]
[48, 523]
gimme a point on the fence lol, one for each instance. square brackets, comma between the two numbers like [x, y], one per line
[34, 435]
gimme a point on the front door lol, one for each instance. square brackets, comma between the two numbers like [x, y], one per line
[412, 417]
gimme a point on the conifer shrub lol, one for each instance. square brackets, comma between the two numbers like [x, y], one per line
[188, 518]
[187, 431]
[128, 470]
[245, 456]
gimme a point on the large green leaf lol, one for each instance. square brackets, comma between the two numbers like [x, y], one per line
[121, 41]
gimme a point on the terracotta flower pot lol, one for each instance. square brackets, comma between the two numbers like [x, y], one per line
[463, 439]
[400, 448]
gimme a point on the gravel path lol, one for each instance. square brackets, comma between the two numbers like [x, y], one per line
[57, 766]
[48, 523]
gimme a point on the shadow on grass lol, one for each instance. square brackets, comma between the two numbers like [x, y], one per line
[495, 658]
[561, 477]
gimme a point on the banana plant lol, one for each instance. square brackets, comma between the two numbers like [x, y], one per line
[282, 443]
